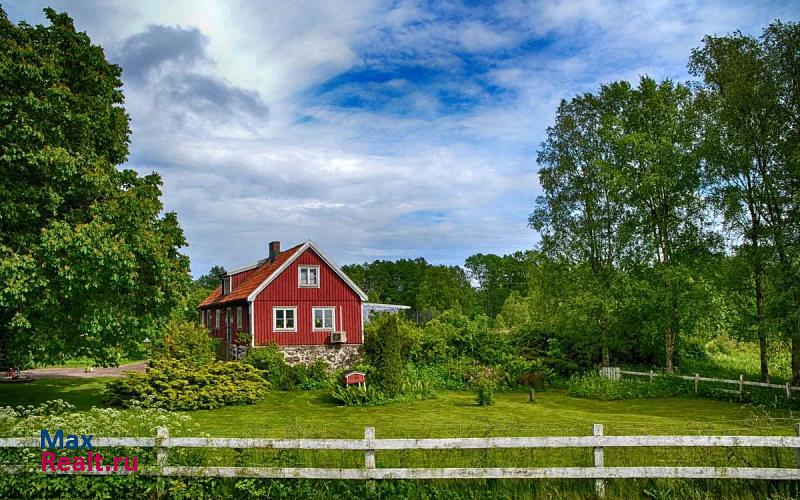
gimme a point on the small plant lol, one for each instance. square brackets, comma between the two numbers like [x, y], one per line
[357, 396]
[485, 384]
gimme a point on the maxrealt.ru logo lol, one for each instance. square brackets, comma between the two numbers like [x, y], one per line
[92, 462]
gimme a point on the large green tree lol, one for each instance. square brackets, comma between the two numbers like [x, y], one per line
[655, 139]
[752, 136]
[89, 263]
[581, 216]
[741, 138]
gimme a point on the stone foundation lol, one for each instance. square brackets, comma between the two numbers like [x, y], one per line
[336, 355]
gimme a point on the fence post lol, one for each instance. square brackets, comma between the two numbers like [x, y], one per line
[369, 456]
[599, 484]
[532, 396]
[788, 390]
[651, 376]
[741, 385]
[162, 450]
[696, 383]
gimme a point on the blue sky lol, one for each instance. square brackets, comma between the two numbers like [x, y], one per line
[377, 129]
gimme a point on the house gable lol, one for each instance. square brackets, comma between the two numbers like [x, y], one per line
[322, 260]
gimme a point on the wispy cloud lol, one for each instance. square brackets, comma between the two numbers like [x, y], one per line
[381, 130]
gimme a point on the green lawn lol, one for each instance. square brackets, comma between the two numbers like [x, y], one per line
[81, 392]
[313, 414]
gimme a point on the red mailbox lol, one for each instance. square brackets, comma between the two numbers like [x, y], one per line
[355, 378]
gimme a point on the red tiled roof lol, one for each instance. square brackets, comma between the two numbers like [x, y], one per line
[242, 291]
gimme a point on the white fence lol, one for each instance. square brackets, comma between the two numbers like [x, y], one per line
[370, 445]
[741, 383]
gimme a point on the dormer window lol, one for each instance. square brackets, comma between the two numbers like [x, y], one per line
[226, 285]
[308, 276]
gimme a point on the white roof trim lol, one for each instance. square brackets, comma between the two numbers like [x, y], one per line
[308, 244]
[396, 306]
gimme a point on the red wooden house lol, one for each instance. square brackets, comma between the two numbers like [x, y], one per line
[293, 297]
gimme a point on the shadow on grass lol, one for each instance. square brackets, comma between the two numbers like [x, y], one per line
[83, 393]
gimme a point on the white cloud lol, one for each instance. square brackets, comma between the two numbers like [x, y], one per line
[226, 104]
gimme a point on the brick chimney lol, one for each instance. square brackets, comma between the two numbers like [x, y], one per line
[274, 250]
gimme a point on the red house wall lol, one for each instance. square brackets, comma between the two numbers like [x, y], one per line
[220, 333]
[284, 291]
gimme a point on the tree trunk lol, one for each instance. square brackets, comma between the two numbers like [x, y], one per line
[669, 340]
[762, 334]
[795, 358]
[671, 335]
[604, 335]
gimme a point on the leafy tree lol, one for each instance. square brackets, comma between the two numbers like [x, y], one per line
[740, 102]
[581, 216]
[497, 276]
[654, 137]
[89, 264]
[752, 110]
[415, 283]
[210, 280]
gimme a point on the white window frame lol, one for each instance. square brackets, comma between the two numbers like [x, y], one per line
[275, 310]
[323, 328]
[226, 285]
[300, 270]
[218, 320]
[239, 318]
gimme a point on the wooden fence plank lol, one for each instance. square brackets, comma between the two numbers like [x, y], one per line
[439, 443]
[651, 374]
[782, 474]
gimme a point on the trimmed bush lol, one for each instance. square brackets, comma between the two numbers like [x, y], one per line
[178, 385]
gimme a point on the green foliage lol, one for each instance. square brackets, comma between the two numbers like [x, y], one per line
[88, 260]
[593, 386]
[389, 340]
[415, 283]
[178, 385]
[188, 341]
[271, 362]
[485, 385]
[358, 396]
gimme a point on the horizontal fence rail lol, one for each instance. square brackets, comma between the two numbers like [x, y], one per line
[370, 444]
[741, 383]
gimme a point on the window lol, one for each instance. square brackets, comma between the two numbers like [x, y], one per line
[226, 285]
[283, 319]
[219, 318]
[308, 276]
[239, 318]
[323, 318]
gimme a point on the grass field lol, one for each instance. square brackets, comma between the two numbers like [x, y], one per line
[313, 414]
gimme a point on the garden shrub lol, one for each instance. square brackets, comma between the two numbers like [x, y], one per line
[517, 372]
[281, 376]
[389, 341]
[485, 385]
[178, 385]
[594, 386]
[188, 341]
[357, 396]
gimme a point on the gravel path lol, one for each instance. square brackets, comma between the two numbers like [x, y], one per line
[80, 373]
